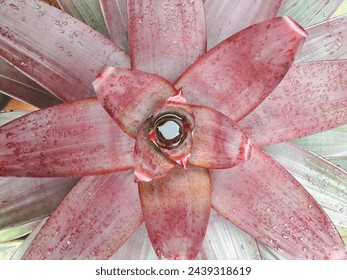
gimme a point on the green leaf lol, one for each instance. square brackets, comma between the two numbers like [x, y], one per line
[323, 180]
[88, 11]
[309, 12]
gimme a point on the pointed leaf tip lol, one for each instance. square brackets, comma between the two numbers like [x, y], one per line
[239, 73]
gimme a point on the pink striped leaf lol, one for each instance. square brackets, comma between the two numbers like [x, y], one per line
[218, 141]
[149, 162]
[322, 179]
[275, 209]
[309, 12]
[71, 139]
[226, 17]
[176, 209]
[311, 98]
[68, 62]
[235, 76]
[116, 19]
[13, 83]
[224, 241]
[86, 11]
[26, 199]
[325, 41]
[92, 222]
[137, 247]
[165, 36]
[130, 96]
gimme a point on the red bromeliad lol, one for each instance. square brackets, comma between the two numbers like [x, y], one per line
[174, 129]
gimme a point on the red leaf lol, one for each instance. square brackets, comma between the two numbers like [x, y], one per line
[236, 75]
[176, 209]
[71, 139]
[264, 200]
[92, 222]
[165, 36]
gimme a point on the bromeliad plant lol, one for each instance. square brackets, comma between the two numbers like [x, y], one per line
[174, 129]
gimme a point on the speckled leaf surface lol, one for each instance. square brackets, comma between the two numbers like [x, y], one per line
[226, 17]
[218, 141]
[279, 212]
[322, 179]
[165, 37]
[235, 76]
[311, 98]
[131, 96]
[67, 63]
[71, 139]
[92, 222]
[176, 209]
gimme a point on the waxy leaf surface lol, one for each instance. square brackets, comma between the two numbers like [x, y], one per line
[165, 36]
[71, 139]
[92, 222]
[116, 19]
[176, 209]
[236, 75]
[311, 98]
[131, 96]
[275, 209]
[218, 141]
[65, 64]
[226, 17]
[15, 84]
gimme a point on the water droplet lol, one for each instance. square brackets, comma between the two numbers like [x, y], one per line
[14, 7]
[11, 135]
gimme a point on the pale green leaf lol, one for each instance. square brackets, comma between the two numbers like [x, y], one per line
[326, 182]
[88, 11]
[309, 12]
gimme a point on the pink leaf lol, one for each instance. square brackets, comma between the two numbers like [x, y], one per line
[26, 199]
[116, 19]
[92, 222]
[325, 41]
[165, 37]
[311, 98]
[68, 62]
[131, 96]
[264, 200]
[226, 17]
[218, 141]
[176, 209]
[149, 162]
[71, 139]
[236, 75]
[18, 86]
